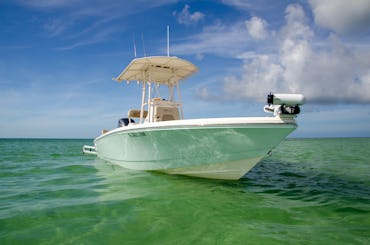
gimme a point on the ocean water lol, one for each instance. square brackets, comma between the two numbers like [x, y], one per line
[309, 191]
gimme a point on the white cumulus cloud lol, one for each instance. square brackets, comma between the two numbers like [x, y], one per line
[256, 28]
[332, 73]
[186, 18]
[342, 16]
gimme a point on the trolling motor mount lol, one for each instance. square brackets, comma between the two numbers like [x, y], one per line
[284, 104]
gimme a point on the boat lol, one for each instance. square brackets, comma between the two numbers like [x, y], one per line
[156, 137]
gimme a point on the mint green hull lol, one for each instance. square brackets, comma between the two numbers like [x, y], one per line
[221, 152]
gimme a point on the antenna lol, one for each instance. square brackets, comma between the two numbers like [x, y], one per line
[133, 40]
[142, 40]
[168, 40]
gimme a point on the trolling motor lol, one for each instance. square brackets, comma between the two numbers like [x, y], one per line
[284, 104]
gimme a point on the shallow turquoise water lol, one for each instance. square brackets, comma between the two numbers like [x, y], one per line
[310, 191]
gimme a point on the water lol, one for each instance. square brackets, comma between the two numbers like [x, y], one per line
[310, 191]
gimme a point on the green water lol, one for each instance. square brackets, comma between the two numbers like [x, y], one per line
[310, 191]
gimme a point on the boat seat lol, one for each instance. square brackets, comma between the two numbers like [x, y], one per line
[136, 113]
[163, 113]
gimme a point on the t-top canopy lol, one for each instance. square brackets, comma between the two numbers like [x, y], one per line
[160, 69]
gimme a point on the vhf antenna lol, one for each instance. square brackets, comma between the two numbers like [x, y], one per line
[133, 40]
[168, 40]
[142, 40]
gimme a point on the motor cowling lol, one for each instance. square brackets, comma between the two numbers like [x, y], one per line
[285, 99]
[284, 104]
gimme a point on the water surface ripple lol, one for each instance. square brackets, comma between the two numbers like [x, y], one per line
[309, 191]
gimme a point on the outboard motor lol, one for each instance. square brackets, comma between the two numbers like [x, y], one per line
[124, 122]
[284, 104]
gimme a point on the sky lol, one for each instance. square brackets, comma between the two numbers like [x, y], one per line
[58, 57]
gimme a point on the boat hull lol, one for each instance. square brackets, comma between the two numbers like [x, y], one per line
[209, 148]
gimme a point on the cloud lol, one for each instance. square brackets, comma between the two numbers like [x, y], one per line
[80, 23]
[215, 39]
[324, 70]
[240, 4]
[342, 16]
[248, 5]
[257, 28]
[49, 4]
[94, 38]
[56, 26]
[187, 18]
[94, 7]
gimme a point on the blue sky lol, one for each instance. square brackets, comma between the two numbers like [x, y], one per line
[57, 58]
